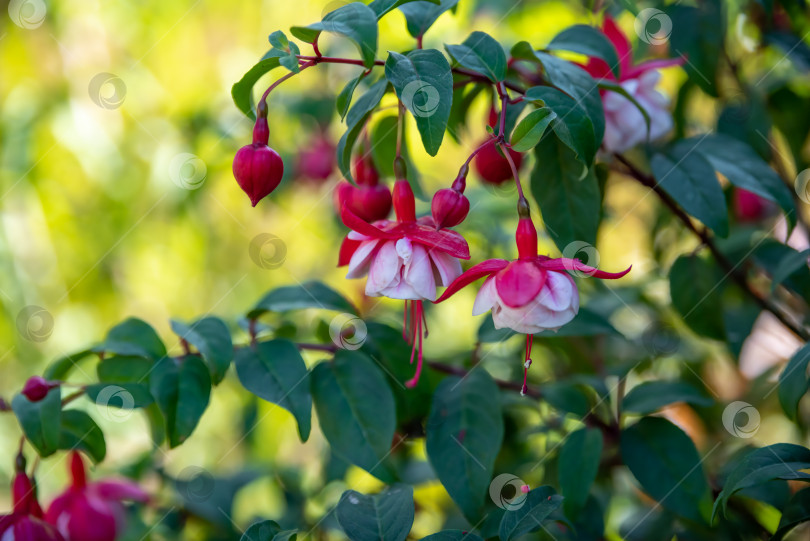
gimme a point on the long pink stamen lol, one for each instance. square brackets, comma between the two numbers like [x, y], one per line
[424, 322]
[405, 322]
[527, 363]
[411, 383]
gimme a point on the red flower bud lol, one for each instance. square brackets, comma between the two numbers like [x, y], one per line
[371, 203]
[748, 206]
[526, 237]
[449, 207]
[404, 202]
[493, 167]
[317, 161]
[36, 388]
[257, 167]
[364, 171]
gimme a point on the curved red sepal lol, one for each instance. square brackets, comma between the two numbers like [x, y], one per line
[520, 282]
[446, 240]
[562, 264]
[474, 273]
[620, 43]
[347, 249]
[355, 223]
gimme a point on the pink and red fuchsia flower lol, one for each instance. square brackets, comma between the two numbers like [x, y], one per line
[26, 521]
[92, 511]
[404, 259]
[625, 126]
[530, 294]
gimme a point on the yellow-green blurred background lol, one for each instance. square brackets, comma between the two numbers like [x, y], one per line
[108, 110]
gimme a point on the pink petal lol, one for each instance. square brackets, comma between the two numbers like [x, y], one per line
[384, 269]
[120, 491]
[558, 293]
[486, 298]
[419, 273]
[445, 240]
[519, 283]
[474, 273]
[448, 268]
[360, 261]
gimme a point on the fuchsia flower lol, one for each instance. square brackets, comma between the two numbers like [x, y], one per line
[625, 126]
[92, 511]
[531, 294]
[407, 259]
[26, 523]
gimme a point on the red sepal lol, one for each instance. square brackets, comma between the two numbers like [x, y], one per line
[474, 273]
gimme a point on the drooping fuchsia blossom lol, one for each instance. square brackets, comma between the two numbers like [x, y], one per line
[625, 126]
[26, 522]
[530, 294]
[406, 258]
[92, 511]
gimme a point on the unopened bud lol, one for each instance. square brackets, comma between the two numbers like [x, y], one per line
[37, 388]
[449, 207]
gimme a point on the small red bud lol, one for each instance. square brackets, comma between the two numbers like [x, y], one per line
[526, 237]
[258, 170]
[449, 207]
[364, 171]
[493, 167]
[371, 203]
[37, 388]
[404, 203]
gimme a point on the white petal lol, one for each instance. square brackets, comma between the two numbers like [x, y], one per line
[405, 250]
[419, 273]
[361, 259]
[447, 267]
[384, 269]
[558, 292]
[486, 298]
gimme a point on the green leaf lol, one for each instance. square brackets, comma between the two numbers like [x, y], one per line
[779, 461]
[741, 165]
[789, 265]
[125, 396]
[290, 59]
[80, 432]
[306, 295]
[796, 512]
[383, 140]
[212, 339]
[356, 411]
[275, 371]
[60, 368]
[355, 121]
[423, 82]
[696, 292]
[463, 98]
[344, 99]
[589, 41]
[123, 369]
[278, 40]
[420, 16]
[242, 90]
[666, 463]
[794, 382]
[567, 193]
[539, 504]
[133, 337]
[572, 126]
[355, 21]
[267, 530]
[463, 436]
[40, 421]
[531, 129]
[387, 516]
[690, 180]
[482, 54]
[697, 34]
[381, 7]
[651, 396]
[578, 465]
[452, 535]
[182, 388]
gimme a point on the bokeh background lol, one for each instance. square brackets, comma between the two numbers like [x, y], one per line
[117, 133]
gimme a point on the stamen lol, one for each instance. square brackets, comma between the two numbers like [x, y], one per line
[411, 383]
[527, 363]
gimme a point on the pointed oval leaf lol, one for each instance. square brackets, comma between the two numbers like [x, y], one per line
[529, 517]
[695, 286]
[387, 516]
[531, 129]
[589, 41]
[133, 337]
[306, 295]
[79, 431]
[573, 126]
[651, 396]
[578, 465]
[242, 90]
[796, 512]
[794, 382]
[381, 7]
[40, 421]
[420, 16]
[355, 21]
[212, 339]
[355, 121]
[182, 388]
[482, 54]
[452, 535]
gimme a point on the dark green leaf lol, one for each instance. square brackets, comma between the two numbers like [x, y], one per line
[779, 461]
[796, 512]
[125, 396]
[423, 82]
[306, 33]
[572, 126]
[275, 371]
[355, 21]
[567, 193]
[381, 7]
[690, 180]
[242, 90]
[356, 411]
[344, 99]
[463, 436]
[421, 15]
[355, 121]
[212, 339]
[60, 368]
[651, 396]
[267, 530]
[307, 295]
[133, 337]
[793, 381]
[463, 97]
[482, 54]
[578, 465]
[539, 504]
[80, 432]
[589, 41]
[697, 34]
[40, 421]
[789, 265]
[666, 463]
[181, 388]
[452, 535]
[567, 397]
[532, 128]
[387, 516]
[122, 369]
[695, 286]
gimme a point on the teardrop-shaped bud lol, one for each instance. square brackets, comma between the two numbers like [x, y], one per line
[36, 388]
[449, 207]
[493, 167]
[371, 203]
[258, 170]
